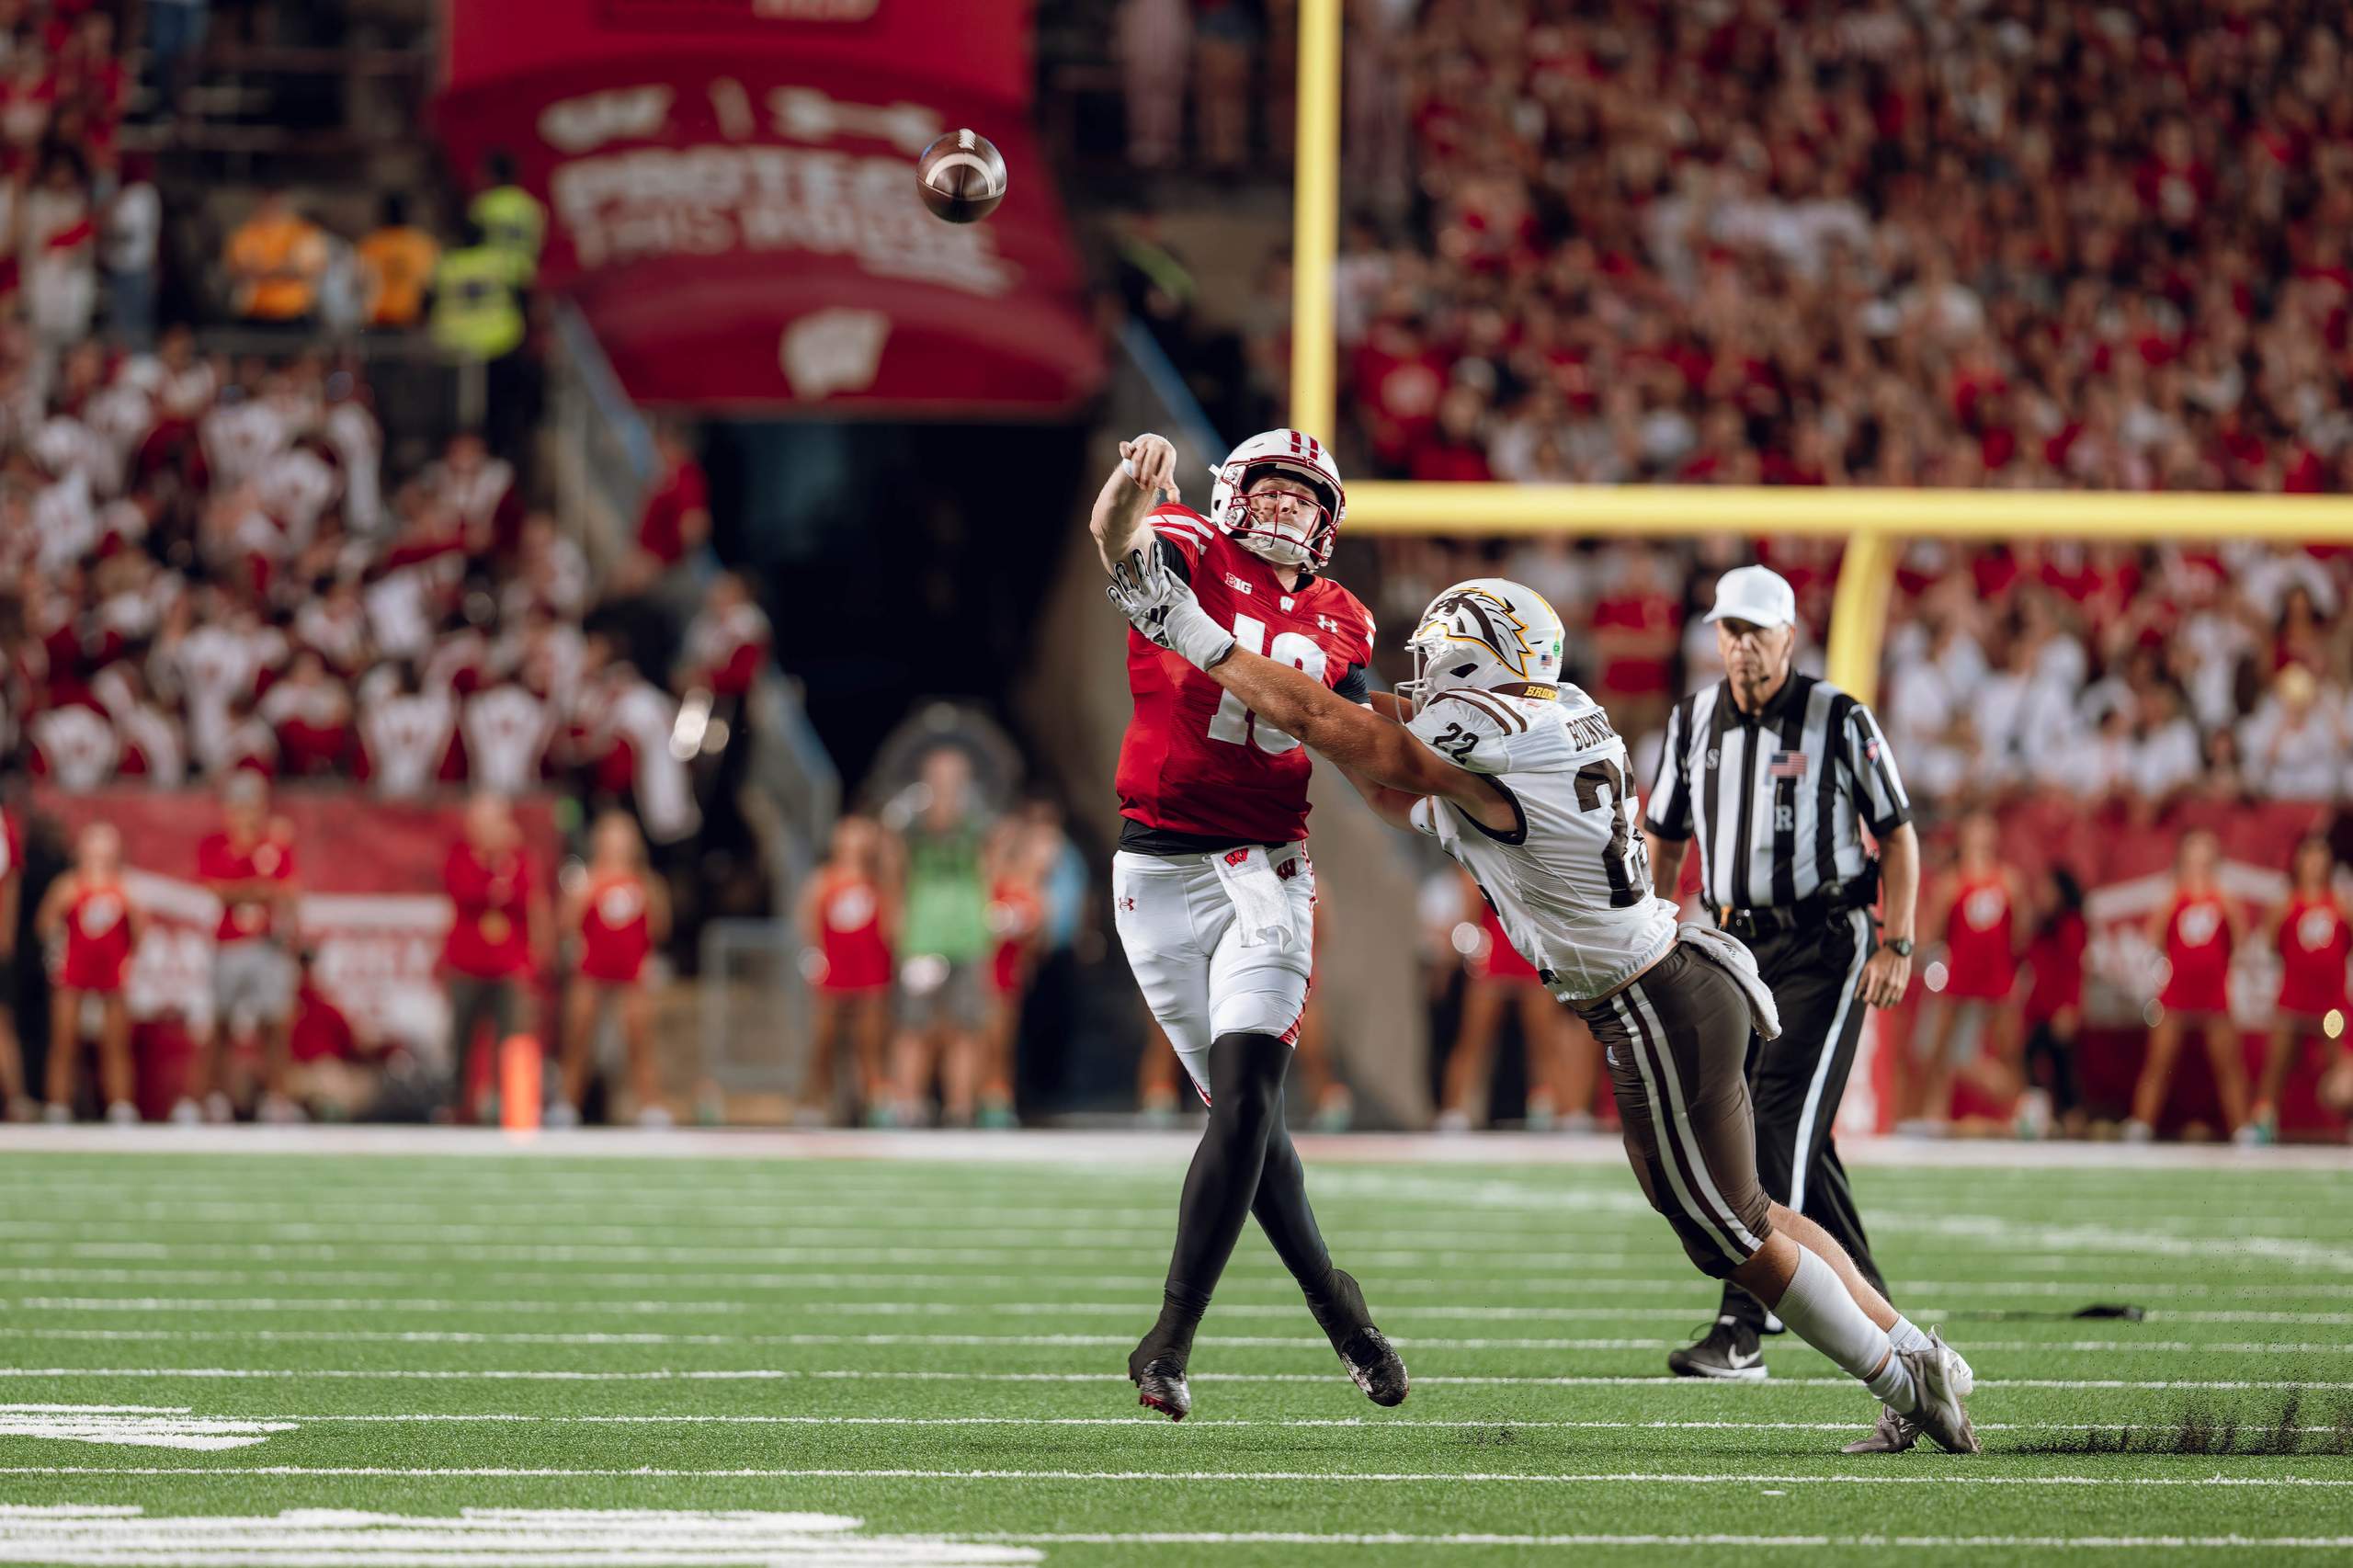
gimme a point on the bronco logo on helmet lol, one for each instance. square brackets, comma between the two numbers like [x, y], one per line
[1474, 615]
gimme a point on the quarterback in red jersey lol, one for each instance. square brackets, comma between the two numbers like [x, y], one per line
[1212, 890]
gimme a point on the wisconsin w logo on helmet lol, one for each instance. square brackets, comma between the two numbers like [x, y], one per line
[1475, 615]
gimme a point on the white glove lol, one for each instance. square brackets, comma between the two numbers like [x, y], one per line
[1161, 605]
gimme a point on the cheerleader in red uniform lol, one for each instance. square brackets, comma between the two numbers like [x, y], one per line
[91, 912]
[618, 913]
[848, 922]
[2198, 929]
[1978, 902]
[1560, 1064]
[2313, 938]
[1016, 917]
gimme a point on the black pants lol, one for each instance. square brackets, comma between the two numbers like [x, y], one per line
[1797, 1081]
[2051, 1064]
[474, 1002]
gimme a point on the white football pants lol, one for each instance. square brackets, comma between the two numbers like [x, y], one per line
[1178, 927]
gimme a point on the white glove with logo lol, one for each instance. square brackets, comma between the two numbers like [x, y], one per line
[1160, 604]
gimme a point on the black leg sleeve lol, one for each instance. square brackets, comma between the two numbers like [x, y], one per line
[1282, 1212]
[1246, 1105]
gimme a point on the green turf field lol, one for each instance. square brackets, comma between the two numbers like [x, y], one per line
[732, 1360]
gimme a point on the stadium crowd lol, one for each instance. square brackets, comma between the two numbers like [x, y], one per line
[2023, 245]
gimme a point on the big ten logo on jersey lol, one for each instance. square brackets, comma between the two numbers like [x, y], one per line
[1238, 725]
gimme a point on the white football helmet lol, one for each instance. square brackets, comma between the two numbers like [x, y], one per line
[1289, 532]
[1485, 633]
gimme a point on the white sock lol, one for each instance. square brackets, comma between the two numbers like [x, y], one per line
[1904, 1335]
[1818, 1310]
[1893, 1386]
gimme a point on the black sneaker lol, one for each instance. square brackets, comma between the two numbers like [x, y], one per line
[1727, 1350]
[1372, 1362]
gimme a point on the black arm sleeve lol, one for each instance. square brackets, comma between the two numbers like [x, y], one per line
[1354, 684]
[1173, 557]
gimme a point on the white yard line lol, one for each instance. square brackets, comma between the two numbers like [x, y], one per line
[1152, 1423]
[1669, 1310]
[1212, 1477]
[1099, 1152]
[1576, 1284]
[779, 1374]
[1063, 1341]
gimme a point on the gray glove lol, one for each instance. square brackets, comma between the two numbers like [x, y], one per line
[1161, 605]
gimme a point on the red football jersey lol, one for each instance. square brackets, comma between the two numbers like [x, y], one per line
[2313, 942]
[266, 859]
[1195, 760]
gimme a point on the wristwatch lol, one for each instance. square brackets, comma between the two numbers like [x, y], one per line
[1900, 946]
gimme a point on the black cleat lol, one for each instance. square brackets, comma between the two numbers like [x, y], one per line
[1727, 1350]
[1377, 1367]
[1372, 1362]
[1160, 1384]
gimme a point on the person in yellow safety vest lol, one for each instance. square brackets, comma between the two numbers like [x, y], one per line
[477, 299]
[510, 216]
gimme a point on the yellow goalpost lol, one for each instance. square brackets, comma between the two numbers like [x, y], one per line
[1873, 521]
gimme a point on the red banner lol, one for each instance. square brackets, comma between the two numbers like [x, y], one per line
[733, 206]
[371, 907]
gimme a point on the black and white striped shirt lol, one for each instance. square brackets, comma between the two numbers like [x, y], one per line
[1776, 797]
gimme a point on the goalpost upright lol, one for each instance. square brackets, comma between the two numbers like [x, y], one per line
[1872, 520]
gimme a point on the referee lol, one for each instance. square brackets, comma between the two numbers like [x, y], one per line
[1776, 773]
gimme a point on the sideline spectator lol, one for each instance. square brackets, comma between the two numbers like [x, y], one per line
[337, 1071]
[129, 235]
[2314, 937]
[939, 843]
[511, 218]
[849, 924]
[249, 867]
[498, 939]
[91, 912]
[275, 260]
[2053, 1010]
[15, 1103]
[619, 913]
[2197, 927]
[396, 262]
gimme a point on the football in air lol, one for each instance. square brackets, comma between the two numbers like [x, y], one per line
[962, 176]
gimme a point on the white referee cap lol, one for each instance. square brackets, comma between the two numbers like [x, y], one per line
[1757, 595]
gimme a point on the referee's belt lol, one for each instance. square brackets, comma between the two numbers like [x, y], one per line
[1804, 913]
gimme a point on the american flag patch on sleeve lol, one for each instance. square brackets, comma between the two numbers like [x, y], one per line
[1787, 765]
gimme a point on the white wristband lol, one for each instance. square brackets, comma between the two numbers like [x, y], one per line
[1199, 639]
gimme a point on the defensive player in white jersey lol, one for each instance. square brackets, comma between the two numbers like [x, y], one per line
[1526, 783]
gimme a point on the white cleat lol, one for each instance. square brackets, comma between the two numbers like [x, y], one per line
[1937, 1376]
[185, 1113]
[1894, 1434]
